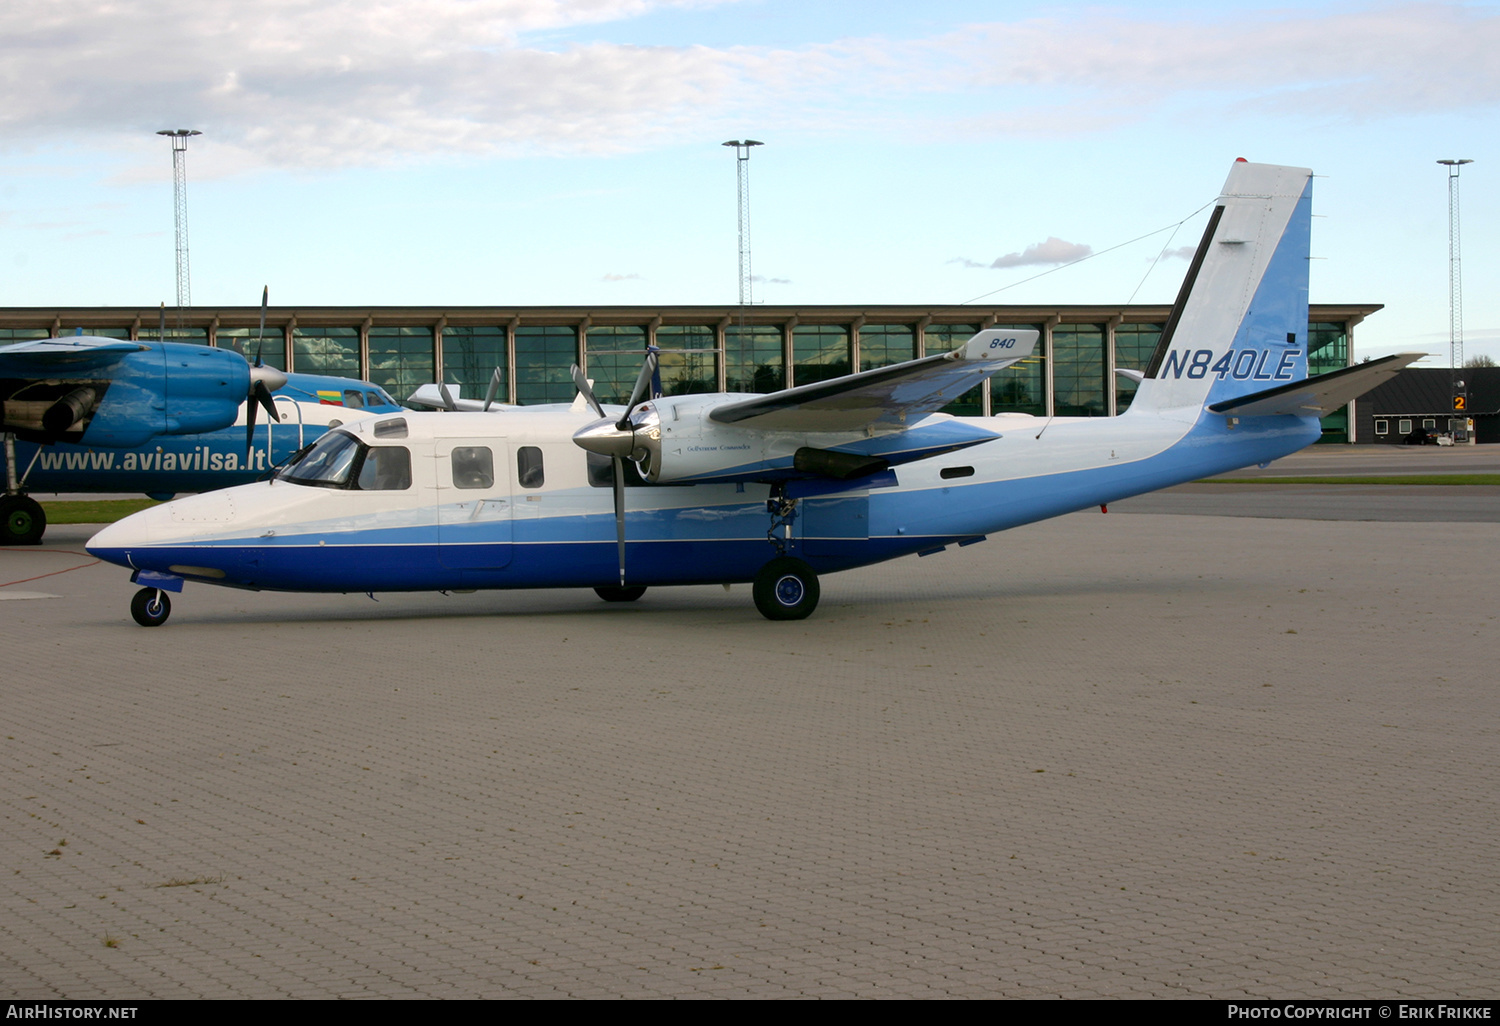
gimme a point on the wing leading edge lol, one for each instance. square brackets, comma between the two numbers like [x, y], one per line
[884, 399]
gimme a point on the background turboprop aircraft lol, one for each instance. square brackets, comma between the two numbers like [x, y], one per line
[91, 414]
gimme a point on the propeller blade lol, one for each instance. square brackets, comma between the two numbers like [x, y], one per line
[250, 408]
[582, 384]
[642, 382]
[260, 334]
[448, 403]
[489, 393]
[619, 466]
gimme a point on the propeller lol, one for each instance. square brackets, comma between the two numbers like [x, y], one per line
[489, 393]
[263, 380]
[614, 439]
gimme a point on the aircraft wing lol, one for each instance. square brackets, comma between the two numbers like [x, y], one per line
[1321, 394]
[24, 359]
[885, 398]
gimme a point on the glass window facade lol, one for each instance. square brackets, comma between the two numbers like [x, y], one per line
[753, 360]
[689, 358]
[192, 336]
[1021, 387]
[881, 345]
[819, 352]
[545, 354]
[9, 335]
[271, 344]
[1328, 350]
[326, 351]
[401, 358]
[470, 356]
[1134, 344]
[1078, 370]
[615, 357]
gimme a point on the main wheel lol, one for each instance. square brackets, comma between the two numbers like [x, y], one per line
[786, 589]
[150, 607]
[22, 520]
[618, 594]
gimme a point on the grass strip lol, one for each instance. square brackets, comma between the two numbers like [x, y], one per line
[1364, 479]
[102, 511]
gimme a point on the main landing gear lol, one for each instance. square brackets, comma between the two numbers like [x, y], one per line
[786, 589]
[150, 607]
[22, 520]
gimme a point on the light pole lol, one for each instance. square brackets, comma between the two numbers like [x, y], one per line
[179, 137]
[742, 176]
[1455, 291]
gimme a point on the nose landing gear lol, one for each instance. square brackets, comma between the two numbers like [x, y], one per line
[150, 607]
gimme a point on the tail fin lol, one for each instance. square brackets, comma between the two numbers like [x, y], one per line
[1240, 322]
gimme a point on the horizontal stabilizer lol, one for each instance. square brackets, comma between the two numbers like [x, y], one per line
[884, 398]
[1319, 395]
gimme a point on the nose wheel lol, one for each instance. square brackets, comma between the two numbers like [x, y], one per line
[786, 589]
[150, 607]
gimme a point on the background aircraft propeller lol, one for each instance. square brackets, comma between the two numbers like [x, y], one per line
[263, 380]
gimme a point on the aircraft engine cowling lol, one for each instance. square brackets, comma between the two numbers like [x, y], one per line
[672, 439]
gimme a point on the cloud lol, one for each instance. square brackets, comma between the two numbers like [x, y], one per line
[312, 83]
[1053, 251]
[770, 281]
[621, 277]
[331, 83]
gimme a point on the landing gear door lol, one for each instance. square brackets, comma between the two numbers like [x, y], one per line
[474, 502]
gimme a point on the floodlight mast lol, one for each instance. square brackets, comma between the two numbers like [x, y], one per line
[742, 176]
[179, 137]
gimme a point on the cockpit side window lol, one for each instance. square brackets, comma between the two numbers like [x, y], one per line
[386, 468]
[354, 400]
[328, 463]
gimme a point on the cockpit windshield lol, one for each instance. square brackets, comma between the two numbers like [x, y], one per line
[339, 460]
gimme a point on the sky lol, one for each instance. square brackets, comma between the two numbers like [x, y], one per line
[522, 152]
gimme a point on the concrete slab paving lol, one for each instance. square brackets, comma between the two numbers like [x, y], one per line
[1147, 755]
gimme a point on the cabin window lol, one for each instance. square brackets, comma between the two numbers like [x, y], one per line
[473, 466]
[393, 428]
[1382, 427]
[354, 400]
[948, 473]
[529, 467]
[386, 468]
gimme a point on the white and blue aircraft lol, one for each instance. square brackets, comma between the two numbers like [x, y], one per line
[85, 413]
[771, 489]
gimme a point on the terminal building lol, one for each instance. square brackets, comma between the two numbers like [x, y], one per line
[728, 348]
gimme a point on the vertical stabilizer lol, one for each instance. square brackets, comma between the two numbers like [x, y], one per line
[1240, 322]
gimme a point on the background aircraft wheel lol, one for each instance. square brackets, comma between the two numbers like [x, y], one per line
[22, 520]
[786, 589]
[150, 607]
[617, 594]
